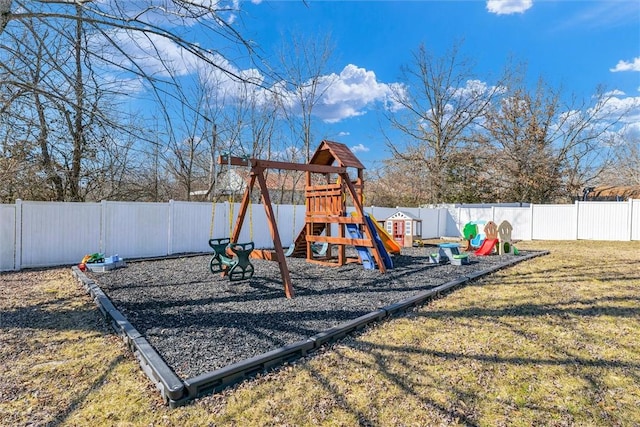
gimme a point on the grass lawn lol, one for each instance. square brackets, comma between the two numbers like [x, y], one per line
[552, 341]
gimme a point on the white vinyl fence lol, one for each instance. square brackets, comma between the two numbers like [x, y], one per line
[43, 234]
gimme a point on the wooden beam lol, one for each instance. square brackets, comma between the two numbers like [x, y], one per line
[272, 164]
[341, 241]
[334, 219]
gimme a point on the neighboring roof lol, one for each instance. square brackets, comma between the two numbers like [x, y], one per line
[278, 179]
[329, 152]
[403, 215]
[622, 191]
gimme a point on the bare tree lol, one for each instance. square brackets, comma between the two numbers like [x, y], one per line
[544, 150]
[47, 59]
[149, 19]
[392, 184]
[61, 113]
[624, 168]
[441, 99]
[304, 81]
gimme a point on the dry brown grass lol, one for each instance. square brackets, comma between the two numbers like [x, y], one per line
[553, 341]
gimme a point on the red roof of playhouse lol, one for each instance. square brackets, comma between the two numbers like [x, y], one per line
[329, 151]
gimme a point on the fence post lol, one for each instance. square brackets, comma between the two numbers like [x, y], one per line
[531, 221]
[170, 225]
[103, 227]
[630, 220]
[577, 227]
[17, 252]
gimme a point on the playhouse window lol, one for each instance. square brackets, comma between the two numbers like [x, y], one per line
[407, 228]
[389, 227]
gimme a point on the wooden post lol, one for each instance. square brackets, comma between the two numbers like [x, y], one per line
[273, 227]
[358, 205]
[310, 206]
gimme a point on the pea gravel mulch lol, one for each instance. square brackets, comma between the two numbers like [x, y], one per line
[199, 322]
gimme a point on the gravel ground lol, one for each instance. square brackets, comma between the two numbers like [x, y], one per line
[199, 322]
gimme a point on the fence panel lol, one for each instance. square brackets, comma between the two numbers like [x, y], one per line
[453, 223]
[554, 222]
[58, 233]
[433, 222]
[379, 213]
[191, 225]
[464, 215]
[7, 237]
[290, 220]
[519, 218]
[40, 234]
[135, 229]
[603, 220]
[255, 227]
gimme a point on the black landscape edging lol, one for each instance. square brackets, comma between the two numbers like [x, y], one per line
[176, 391]
[343, 329]
[170, 385]
[215, 381]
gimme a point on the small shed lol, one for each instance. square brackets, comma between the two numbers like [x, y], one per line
[404, 228]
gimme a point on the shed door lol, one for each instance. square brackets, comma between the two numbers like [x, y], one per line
[398, 232]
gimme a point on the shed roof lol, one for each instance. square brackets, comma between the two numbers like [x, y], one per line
[329, 152]
[404, 215]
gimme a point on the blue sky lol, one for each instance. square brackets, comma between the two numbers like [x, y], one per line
[576, 44]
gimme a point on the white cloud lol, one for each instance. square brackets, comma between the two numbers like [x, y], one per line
[159, 57]
[628, 109]
[627, 66]
[351, 92]
[615, 92]
[507, 7]
[359, 148]
[602, 14]
[624, 111]
[347, 94]
[172, 14]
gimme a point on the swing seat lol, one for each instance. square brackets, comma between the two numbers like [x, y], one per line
[320, 250]
[219, 247]
[290, 250]
[237, 267]
[240, 267]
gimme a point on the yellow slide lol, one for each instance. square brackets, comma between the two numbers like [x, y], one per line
[390, 245]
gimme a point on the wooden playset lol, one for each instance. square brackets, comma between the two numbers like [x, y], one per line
[328, 187]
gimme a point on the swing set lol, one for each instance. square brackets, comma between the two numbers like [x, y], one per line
[230, 258]
[325, 207]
